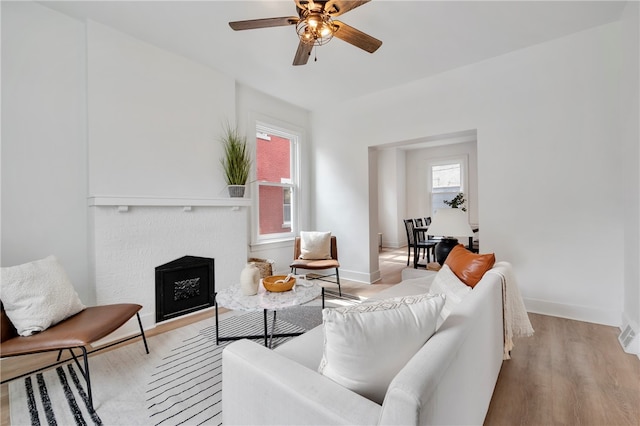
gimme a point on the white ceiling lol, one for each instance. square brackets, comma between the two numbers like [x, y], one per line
[420, 39]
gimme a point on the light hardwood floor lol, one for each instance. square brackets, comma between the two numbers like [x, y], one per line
[568, 373]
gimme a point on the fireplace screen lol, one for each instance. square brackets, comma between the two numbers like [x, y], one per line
[183, 286]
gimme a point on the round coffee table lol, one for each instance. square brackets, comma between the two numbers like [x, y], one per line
[232, 298]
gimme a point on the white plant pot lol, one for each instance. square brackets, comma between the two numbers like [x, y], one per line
[236, 191]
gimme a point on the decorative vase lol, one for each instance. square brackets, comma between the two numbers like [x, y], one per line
[443, 248]
[236, 191]
[250, 279]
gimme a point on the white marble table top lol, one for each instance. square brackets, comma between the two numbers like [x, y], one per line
[302, 292]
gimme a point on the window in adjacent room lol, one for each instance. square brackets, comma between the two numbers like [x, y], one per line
[276, 183]
[446, 179]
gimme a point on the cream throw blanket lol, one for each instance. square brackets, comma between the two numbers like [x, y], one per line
[516, 320]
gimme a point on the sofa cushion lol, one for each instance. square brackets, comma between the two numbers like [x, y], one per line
[468, 266]
[366, 345]
[37, 295]
[315, 245]
[305, 349]
[446, 282]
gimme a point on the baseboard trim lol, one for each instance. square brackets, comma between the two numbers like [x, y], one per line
[574, 312]
[360, 277]
[393, 244]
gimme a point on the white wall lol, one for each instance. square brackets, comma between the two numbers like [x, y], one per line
[155, 119]
[392, 196]
[44, 168]
[89, 111]
[546, 120]
[631, 137]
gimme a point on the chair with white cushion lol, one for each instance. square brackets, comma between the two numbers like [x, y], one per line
[317, 251]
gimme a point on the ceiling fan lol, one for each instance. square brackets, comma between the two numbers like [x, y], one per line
[315, 26]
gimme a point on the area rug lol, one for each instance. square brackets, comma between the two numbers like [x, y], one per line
[178, 383]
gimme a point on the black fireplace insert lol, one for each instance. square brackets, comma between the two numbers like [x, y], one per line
[183, 286]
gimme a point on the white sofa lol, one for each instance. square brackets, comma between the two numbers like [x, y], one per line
[450, 380]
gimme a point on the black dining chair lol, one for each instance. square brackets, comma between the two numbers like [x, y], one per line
[428, 238]
[417, 245]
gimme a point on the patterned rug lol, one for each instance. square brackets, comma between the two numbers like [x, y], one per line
[179, 382]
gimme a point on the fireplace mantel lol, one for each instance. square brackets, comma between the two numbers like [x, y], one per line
[131, 236]
[107, 201]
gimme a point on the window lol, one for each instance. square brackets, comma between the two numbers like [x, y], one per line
[446, 180]
[276, 180]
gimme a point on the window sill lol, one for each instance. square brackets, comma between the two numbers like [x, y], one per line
[275, 243]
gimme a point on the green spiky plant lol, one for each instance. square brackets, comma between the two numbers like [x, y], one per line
[236, 162]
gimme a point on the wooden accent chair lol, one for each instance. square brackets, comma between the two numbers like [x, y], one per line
[319, 264]
[76, 332]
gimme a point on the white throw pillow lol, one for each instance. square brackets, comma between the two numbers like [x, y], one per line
[37, 295]
[315, 245]
[447, 283]
[365, 346]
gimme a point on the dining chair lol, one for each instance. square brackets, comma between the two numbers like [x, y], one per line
[418, 245]
[429, 238]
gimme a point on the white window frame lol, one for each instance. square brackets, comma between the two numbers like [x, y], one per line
[294, 184]
[463, 160]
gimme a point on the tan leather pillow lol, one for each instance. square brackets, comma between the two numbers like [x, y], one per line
[468, 266]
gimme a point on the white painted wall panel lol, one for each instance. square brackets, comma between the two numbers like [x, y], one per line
[44, 170]
[630, 122]
[548, 156]
[154, 119]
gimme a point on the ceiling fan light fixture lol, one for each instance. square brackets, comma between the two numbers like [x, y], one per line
[315, 28]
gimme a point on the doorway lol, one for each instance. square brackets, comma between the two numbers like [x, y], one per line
[400, 173]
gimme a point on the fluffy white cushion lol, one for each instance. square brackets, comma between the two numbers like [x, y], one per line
[37, 295]
[447, 283]
[315, 245]
[365, 346]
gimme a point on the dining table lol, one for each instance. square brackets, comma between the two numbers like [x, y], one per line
[430, 242]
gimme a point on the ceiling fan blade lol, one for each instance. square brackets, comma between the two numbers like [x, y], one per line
[339, 7]
[252, 24]
[356, 37]
[302, 54]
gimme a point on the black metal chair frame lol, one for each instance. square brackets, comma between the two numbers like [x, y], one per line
[85, 357]
[313, 276]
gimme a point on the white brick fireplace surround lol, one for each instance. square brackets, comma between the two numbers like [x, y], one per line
[131, 236]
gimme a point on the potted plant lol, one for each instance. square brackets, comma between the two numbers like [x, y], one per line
[457, 202]
[236, 162]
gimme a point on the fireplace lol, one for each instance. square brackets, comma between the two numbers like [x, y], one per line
[183, 286]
